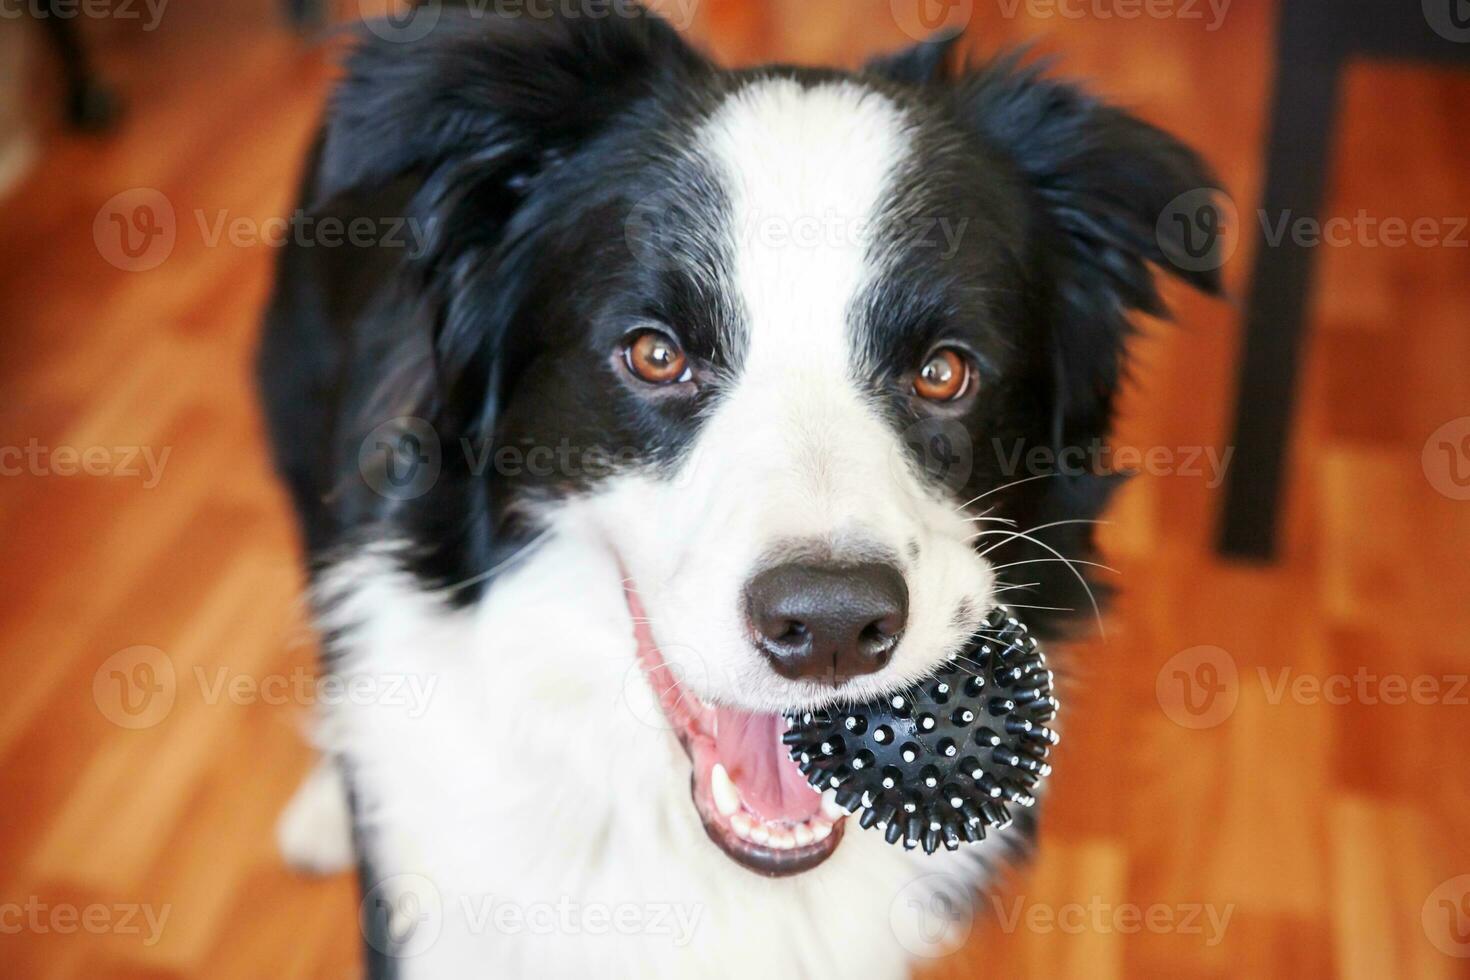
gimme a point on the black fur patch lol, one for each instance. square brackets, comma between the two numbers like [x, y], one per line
[545, 161]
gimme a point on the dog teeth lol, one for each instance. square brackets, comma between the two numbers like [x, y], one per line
[830, 807]
[780, 836]
[722, 788]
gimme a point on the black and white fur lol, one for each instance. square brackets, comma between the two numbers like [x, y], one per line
[574, 178]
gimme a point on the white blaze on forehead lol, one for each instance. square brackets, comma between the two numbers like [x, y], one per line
[807, 171]
[796, 456]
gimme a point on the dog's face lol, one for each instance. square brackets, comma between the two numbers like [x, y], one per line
[777, 334]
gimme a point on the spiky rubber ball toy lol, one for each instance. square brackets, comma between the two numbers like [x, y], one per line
[944, 760]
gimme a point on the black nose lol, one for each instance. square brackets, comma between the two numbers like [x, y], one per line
[827, 623]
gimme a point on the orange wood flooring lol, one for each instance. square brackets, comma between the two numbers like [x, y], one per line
[1327, 831]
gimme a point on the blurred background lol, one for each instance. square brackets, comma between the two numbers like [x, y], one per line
[1267, 764]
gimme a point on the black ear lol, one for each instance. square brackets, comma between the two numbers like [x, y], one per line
[506, 90]
[461, 124]
[927, 61]
[1103, 180]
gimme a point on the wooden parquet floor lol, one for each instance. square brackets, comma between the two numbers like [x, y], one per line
[1266, 771]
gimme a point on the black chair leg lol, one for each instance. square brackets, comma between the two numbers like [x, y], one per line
[307, 15]
[1275, 322]
[90, 104]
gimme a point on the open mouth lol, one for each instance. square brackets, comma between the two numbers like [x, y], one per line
[754, 801]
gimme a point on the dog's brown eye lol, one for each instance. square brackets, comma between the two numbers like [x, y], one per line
[944, 377]
[656, 358]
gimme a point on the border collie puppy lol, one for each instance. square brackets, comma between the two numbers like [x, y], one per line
[682, 398]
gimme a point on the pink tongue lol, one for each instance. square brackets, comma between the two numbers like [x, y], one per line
[769, 782]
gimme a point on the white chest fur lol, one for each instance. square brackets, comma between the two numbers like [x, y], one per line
[519, 783]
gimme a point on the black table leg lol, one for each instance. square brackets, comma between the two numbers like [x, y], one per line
[90, 104]
[307, 15]
[1275, 322]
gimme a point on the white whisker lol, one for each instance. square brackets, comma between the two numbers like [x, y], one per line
[1017, 483]
[1047, 561]
[448, 590]
[1028, 585]
[1069, 562]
